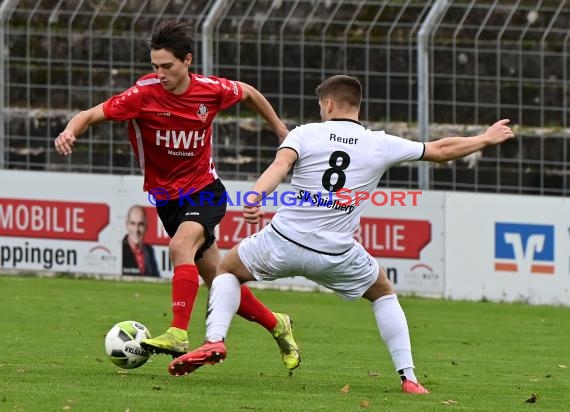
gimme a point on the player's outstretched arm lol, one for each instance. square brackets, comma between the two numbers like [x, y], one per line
[450, 148]
[76, 126]
[256, 101]
[268, 182]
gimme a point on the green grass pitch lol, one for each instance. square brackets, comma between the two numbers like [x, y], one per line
[473, 356]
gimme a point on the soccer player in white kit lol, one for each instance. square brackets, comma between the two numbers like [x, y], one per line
[314, 238]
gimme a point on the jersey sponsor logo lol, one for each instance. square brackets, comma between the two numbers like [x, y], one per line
[524, 248]
[180, 153]
[322, 200]
[181, 139]
[202, 113]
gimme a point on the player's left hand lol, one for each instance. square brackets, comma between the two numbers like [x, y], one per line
[252, 214]
[499, 132]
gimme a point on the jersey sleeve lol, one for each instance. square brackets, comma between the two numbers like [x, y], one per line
[231, 93]
[293, 141]
[124, 106]
[403, 150]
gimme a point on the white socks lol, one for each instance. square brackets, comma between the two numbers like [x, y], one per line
[223, 304]
[393, 328]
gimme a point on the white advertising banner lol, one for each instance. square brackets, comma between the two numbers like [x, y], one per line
[408, 241]
[507, 248]
[78, 223]
[457, 245]
[59, 222]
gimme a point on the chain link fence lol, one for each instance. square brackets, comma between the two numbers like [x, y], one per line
[488, 59]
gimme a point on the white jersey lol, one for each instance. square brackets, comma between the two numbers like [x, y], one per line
[334, 155]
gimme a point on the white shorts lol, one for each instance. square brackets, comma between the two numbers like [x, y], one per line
[269, 256]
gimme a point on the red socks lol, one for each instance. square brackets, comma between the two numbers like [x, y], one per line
[184, 290]
[253, 310]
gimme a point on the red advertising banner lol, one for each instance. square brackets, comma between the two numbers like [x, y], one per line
[47, 219]
[233, 228]
[393, 238]
[155, 234]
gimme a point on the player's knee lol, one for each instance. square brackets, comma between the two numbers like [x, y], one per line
[208, 278]
[384, 283]
[382, 287]
[181, 251]
[225, 266]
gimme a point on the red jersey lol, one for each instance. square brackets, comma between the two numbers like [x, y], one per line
[171, 135]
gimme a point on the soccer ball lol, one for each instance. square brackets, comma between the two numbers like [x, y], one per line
[122, 344]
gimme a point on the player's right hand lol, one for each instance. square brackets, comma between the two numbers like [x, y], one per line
[64, 143]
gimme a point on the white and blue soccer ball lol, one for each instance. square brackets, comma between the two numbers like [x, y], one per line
[122, 344]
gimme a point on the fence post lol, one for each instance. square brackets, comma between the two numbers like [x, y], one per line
[435, 15]
[6, 10]
[207, 33]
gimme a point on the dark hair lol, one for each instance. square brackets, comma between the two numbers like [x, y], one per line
[173, 35]
[344, 89]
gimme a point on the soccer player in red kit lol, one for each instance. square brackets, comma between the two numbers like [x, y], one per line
[170, 114]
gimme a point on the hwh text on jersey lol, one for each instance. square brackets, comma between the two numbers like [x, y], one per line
[181, 139]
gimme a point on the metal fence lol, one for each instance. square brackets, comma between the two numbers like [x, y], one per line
[486, 59]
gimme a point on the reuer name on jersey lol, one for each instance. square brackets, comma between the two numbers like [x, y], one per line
[347, 140]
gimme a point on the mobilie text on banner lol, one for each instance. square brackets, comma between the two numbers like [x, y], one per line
[52, 219]
[395, 238]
